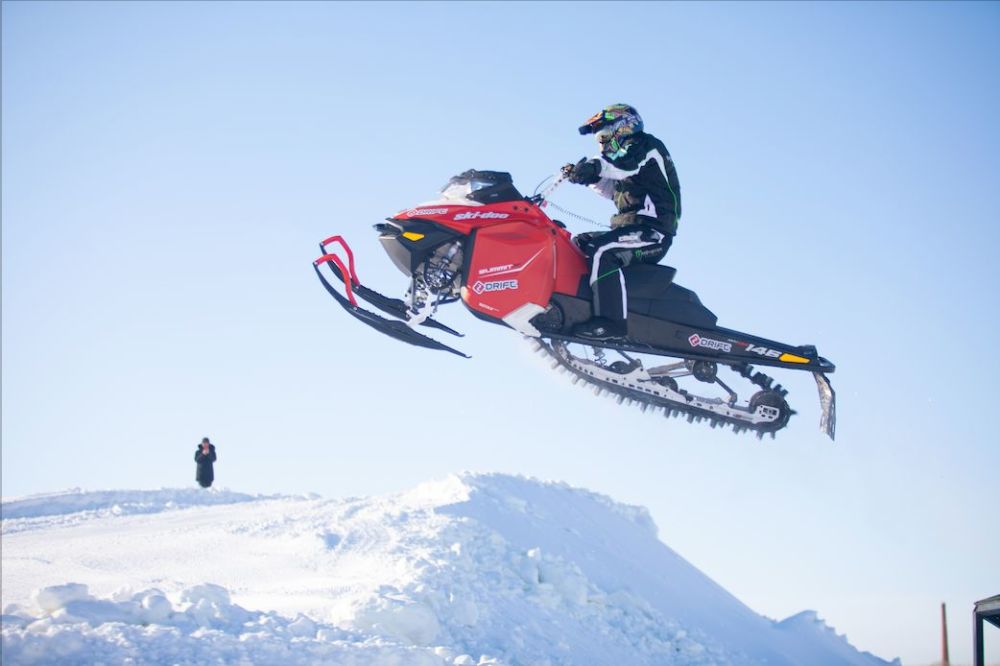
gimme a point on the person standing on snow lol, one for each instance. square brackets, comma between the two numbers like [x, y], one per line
[204, 455]
[635, 170]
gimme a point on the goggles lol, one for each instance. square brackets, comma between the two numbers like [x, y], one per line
[597, 121]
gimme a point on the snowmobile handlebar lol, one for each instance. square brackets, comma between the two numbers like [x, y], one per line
[539, 199]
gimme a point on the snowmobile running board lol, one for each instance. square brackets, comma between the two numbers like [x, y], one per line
[394, 328]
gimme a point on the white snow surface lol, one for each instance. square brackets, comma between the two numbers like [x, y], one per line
[473, 569]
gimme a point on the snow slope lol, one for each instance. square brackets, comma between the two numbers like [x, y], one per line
[474, 569]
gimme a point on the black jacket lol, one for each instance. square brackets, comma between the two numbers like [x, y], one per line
[642, 182]
[206, 474]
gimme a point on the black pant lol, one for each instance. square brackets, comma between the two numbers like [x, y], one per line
[614, 250]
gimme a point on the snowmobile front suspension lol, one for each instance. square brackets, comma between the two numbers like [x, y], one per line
[395, 307]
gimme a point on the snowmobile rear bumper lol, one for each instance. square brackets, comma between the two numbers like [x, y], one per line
[394, 328]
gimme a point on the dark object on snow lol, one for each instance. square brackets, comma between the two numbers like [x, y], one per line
[204, 455]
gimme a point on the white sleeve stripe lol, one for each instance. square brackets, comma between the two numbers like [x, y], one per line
[609, 170]
[605, 187]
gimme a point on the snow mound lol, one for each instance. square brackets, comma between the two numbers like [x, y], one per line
[471, 569]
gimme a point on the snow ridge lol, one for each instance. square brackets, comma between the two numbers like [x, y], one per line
[128, 501]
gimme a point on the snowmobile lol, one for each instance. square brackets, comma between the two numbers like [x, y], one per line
[483, 243]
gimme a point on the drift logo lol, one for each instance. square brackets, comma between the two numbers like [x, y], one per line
[698, 341]
[426, 211]
[495, 285]
[480, 215]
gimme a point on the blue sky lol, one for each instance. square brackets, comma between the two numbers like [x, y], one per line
[168, 170]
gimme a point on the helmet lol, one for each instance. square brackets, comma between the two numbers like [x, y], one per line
[615, 127]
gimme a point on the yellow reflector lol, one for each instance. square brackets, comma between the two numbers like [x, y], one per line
[792, 358]
[410, 235]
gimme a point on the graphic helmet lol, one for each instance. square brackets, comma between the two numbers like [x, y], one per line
[615, 127]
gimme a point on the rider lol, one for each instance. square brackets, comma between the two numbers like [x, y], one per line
[635, 170]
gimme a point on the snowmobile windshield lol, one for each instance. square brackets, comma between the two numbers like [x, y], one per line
[479, 187]
[459, 188]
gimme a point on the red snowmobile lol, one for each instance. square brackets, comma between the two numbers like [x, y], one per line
[497, 251]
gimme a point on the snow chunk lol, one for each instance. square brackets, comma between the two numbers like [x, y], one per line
[212, 594]
[451, 490]
[302, 626]
[400, 617]
[51, 599]
[155, 608]
[565, 579]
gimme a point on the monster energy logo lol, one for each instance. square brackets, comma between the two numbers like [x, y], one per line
[644, 251]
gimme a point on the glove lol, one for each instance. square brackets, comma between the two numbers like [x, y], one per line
[585, 241]
[585, 172]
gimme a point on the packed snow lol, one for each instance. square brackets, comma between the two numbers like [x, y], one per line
[473, 569]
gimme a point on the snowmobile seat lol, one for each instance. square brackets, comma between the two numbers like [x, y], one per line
[677, 304]
[652, 292]
[648, 280]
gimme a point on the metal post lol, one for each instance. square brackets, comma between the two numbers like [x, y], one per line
[978, 653]
[944, 637]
